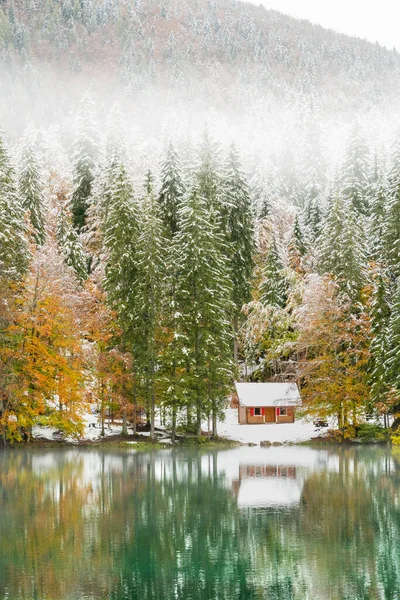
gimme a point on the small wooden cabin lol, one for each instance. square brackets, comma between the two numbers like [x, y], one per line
[260, 403]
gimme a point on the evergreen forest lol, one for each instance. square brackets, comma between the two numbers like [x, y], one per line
[155, 246]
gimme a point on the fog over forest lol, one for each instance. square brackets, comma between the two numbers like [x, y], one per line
[251, 76]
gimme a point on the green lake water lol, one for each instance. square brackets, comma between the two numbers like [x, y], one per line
[285, 523]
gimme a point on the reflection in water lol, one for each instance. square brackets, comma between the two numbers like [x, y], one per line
[250, 523]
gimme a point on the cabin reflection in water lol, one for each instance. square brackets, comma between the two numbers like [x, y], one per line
[263, 486]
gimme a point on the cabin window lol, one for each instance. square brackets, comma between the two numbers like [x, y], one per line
[257, 412]
[283, 412]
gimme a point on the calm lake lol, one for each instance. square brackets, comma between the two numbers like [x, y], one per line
[276, 524]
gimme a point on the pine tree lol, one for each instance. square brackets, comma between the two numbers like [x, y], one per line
[121, 231]
[170, 199]
[150, 281]
[297, 248]
[394, 166]
[342, 247]
[85, 157]
[204, 306]
[355, 171]
[391, 224]
[264, 189]
[380, 314]
[313, 220]
[239, 229]
[70, 245]
[391, 235]
[172, 190]
[14, 254]
[172, 360]
[97, 215]
[208, 172]
[392, 362]
[30, 186]
[378, 202]
[274, 285]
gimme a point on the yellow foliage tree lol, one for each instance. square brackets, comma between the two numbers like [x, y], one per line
[333, 354]
[42, 351]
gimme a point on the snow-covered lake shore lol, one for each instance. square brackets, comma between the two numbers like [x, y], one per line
[229, 428]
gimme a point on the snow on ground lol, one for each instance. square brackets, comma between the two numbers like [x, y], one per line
[91, 432]
[46, 433]
[299, 431]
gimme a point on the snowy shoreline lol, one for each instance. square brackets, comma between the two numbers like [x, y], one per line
[229, 432]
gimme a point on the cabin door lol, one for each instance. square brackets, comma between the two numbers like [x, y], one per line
[269, 414]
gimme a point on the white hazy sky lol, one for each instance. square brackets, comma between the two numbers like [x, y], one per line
[376, 20]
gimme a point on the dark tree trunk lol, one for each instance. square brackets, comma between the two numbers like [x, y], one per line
[173, 428]
[124, 422]
[198, 420]
[214, 422]
[134, 410]
[102, 416]
[152, 414]
[235, 344]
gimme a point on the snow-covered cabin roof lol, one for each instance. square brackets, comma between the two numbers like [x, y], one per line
[268, 394]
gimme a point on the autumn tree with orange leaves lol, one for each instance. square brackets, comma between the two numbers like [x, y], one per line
[41, 353]
[112, 381]
[333, 353]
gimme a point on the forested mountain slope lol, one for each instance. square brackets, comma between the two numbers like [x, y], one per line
[241, 61]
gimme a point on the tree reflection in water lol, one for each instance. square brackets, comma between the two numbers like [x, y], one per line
[88, 524]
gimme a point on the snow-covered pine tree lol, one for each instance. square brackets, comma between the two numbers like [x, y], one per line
[238, 225]
[170, 198]
[391, 235]
[204, 307]
[172, 190]
[264, 189]
[208, 173]
[172, 360]
[274, 285]
[342, 250]
[391, 227]
[380, 314]
[30, 185]
[392, 362]
[313, 219]
[394, 164]
[354, 177]
[84, 159]
[112, 160]
[378, 201]
[121, 231]
[149, 289]
[297, 249]
[14, 253]
[70, 245]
